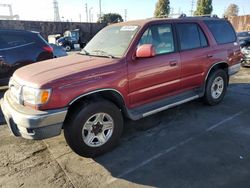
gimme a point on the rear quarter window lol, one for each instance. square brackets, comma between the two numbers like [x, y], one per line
[222, 31]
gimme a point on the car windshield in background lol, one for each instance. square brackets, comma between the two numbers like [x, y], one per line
[112, 41]
[243, 34]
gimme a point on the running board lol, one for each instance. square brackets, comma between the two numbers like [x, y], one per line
[155, 107]
[169, 106]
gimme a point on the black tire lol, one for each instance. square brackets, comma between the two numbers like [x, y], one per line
[75, 123]
[208, 97]
[68, 48]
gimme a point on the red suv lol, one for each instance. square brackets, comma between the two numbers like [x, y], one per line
[132, 69]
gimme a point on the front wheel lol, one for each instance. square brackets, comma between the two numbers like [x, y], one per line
[94, 129]
[216, 87]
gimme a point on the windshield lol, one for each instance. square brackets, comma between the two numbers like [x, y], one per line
[112, 41]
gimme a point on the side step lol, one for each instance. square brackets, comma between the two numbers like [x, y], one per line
[155, 107]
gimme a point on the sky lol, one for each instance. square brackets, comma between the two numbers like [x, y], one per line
[74, 10]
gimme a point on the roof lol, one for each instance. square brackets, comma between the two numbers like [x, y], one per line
[150, 20]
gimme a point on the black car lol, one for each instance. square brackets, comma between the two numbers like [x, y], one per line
[19, 48]
[244, 38]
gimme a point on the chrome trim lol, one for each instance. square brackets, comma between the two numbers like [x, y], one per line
[211, 69]
[169, 106]
[96, 91]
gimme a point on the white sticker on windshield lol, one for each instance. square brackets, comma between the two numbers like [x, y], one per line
[129, 28]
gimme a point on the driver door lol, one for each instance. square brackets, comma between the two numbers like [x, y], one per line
[157, 77]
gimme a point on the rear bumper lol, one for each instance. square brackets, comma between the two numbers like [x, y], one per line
[234, 69]
[29, 123]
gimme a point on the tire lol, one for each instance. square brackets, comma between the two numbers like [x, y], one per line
[217, 83]
[78, 135]
[67, 48]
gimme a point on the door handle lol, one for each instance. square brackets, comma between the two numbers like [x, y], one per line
[209, 55]
[173, 63]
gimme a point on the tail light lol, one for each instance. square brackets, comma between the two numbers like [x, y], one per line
[48, 49]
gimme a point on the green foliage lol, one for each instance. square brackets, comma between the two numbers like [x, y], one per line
[204, 7]
[232, 10]
[110, 18]
[162, 8]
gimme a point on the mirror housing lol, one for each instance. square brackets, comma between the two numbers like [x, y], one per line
[145, 51]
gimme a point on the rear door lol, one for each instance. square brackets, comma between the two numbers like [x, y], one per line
[195, 53]
[226, 39]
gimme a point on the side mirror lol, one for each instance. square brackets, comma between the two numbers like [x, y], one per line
[145, 50]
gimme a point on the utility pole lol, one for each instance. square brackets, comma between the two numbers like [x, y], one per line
[86, 10]
[125, 14]
[192, 8]
[100, 10]
[90, 14]
[56, 11]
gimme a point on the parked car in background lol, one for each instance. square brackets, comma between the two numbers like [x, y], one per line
[71, 40]
[58, 51]
[244, 38]
[19, 48]
[130, 69]
[245, 50]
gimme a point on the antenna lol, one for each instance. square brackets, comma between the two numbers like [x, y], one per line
[56, 11]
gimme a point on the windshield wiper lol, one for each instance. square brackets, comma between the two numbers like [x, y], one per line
[103, 53]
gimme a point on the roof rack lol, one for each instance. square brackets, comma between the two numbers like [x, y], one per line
[199, 16]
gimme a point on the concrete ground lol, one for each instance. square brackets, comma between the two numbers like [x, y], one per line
[192, 145]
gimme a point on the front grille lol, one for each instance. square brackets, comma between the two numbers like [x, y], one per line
[15, 90]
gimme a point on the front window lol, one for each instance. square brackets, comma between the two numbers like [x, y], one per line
[161, 37]
[112, 41]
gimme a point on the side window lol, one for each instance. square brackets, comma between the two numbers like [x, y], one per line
[161, 37]
[222, 31]
[191, 36]
[2, 42]
[15, 39]
[203, 38]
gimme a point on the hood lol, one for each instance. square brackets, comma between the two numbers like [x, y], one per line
[45, 72]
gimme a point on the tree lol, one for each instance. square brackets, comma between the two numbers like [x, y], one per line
[232, 10]
[204, 7]
[162, 8]
[110, 18]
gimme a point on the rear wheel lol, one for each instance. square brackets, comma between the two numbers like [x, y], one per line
[216, 87]
[67, 48]
[94, 129]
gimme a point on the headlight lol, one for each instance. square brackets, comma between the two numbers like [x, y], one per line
[35, 96]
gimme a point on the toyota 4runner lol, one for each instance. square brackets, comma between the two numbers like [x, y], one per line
[132, 69]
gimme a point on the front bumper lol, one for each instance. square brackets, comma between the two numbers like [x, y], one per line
[30, 123]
